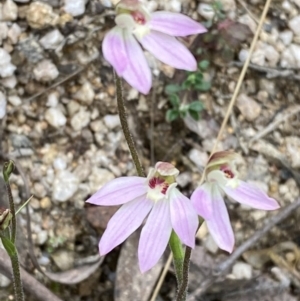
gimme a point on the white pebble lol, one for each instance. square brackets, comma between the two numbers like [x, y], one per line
[59, 164]
[14, 33]
[86, 93]
[2, 105]
[52, 100]
[294, 25]
[6, 68]
[65, 185]
[81, 119]
[9, 82]
[3, 31]
[74, 7]
[286, 37]
[206, 11]
[45, 71]
[9, 11]
[55, 117]
[242, 270]
[52, 39]
[111, 121]
[15, 100]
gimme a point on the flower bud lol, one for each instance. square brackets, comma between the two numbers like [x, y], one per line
[8, 169]
[5, 218]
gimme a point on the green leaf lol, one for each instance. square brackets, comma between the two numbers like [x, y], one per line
[203, 86]
[196, 106]
[9, 246]
[172, 89]
[172, 115]
[203, 64]
[194, 115]
[174, 100]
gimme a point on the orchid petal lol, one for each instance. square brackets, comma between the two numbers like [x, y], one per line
[114, 51]
[175, 24]
[250, 195]
[168, 50]
[123, 223]
[219, 224]
[202, 200]
[119, 191]
[137, 72]
[155, 235]
[184, 218]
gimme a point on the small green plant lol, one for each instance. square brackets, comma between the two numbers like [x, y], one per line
[194, 82]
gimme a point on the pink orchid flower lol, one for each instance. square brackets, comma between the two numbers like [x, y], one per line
[156, 32]
[209, 203]
[155, 195]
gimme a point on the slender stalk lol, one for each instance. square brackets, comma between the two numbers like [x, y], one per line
[125, 127]
[7, 170]
[18, 287]
[182, 292]
[178, 257]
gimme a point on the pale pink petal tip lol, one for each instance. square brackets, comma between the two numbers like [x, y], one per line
[175, 24]
[119, 191]
[202, 200]
[184, 218]
[252, 196]
[123, 223]
[155, 235]
[114, 51]
[137, 72]
[168, 50]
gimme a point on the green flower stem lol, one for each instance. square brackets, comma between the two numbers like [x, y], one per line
[13, 255]
[7, 170]
[125, 127]
[182, 292]
[178, 257]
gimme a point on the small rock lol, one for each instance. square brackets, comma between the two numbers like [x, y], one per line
[45, 71]
[294, 25]
[175, 6]
[39, 190]
[258, 56]
[64, 260]
[286, 37]
[40, 15]
[198, 158]
[111, 121]
[295, 50]
[272, 55]
[15, 100]
[9, 11]
[297, 2]
[99, 177]
[97, 126]
[293, 150]
[3, 31]
[211, 245]
[41, 237]
[74, 7]
[86, 93]
[45, 203]
[9, 82]
[242, 270]
[59, 164]
[73, 107]
[287, 59]
[81, 119]
[55, 117]
[52, 100]
[52, 39]
[106, 3]
[6, 68]
[184, 178]
[65, 184]
[243, 55]
[4, 281]
[2, 105]
[287, 6]
[14, 33]
[247, 20]
[228, 5]
[206, 11]
[249, 108]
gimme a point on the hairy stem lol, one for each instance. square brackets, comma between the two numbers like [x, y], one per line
[182, 292]
[178, 256]
[125, 127]
[18, 287]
